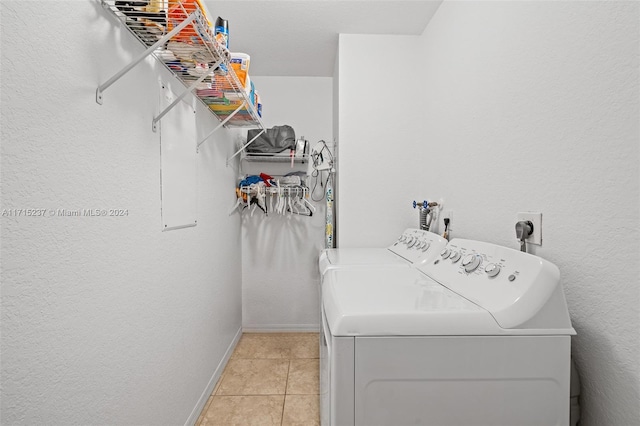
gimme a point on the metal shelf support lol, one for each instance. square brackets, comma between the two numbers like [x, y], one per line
[139, 59]
[222, 123]
[154, 123]
[246, 145]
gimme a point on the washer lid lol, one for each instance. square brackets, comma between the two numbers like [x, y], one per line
[398, 302]
[332, 258]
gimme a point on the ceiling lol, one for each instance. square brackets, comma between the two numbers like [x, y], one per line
[300, 37]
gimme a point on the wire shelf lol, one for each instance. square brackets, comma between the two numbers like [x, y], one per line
[192, 54]
[275, 158]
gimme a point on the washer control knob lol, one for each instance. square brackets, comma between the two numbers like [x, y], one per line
[412, 243]
[402, 238]
[471, 262]
[455, 256]
[426, 246]
[492, 269]
[445, 253]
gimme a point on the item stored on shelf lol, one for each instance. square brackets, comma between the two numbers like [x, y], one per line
[224, 107]
[302, 147]
[193, 61]
[222, 32]
[252, 92]
[190, 52]
[273, 140]
[146, 19]
[178, 12]
[258, 104]
[240, 64]
[225, 84]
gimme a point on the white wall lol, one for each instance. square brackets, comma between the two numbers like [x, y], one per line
[280, 254]
[104, 320]
[379, 139]
[524, 106]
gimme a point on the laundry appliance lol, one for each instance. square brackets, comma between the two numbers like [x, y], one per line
[413, 246]
[479, 335]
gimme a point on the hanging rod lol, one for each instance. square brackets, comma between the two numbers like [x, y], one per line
[144, 54]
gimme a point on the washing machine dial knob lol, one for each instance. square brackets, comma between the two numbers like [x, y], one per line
[455, 256]
[492, 269]
[471, 262]
[445, 253]
[402, 238]
[426, 246]
[412, 243]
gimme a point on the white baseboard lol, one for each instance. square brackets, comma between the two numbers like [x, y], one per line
[280, 328]
[193, 417]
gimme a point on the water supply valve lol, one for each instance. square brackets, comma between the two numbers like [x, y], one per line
[524, 229]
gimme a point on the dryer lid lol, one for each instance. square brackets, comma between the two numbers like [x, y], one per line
[399, 302]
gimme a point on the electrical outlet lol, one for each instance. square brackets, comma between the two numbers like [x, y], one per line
[536, 219]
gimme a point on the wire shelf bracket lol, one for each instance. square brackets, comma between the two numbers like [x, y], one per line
[140, 58]
[262, 130]
[222, 123]
[154, 122]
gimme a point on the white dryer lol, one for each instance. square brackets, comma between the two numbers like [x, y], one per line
[413, 246]
[478, 336]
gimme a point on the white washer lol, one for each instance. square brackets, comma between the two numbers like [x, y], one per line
[479, 336]
[413, 246]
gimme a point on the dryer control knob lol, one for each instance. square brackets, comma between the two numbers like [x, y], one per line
[444, 253]
[471, 262]
[426, 246]
[455, 256]
[412, 243]
[492, 269]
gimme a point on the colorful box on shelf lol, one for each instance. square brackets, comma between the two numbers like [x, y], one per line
[196, 42]
[178, 11]
[240, 64]
[223, 110]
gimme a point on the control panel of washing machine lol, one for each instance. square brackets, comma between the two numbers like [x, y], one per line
[510, 284]
[417, 245]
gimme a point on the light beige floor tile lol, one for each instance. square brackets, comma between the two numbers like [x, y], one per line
[244, 411]
[301, 410]
[303, 345]
[262, 345]
[277, 345]
[254, 377]
[303, 377]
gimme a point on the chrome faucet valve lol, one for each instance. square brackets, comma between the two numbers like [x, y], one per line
[524, 229]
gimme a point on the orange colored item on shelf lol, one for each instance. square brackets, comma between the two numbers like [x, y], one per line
[240, 64]
[225, 83]
[178, 11]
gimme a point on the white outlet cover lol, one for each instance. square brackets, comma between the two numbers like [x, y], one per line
[536, 219]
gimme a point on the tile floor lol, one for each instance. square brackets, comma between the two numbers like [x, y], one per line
[271, 379]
